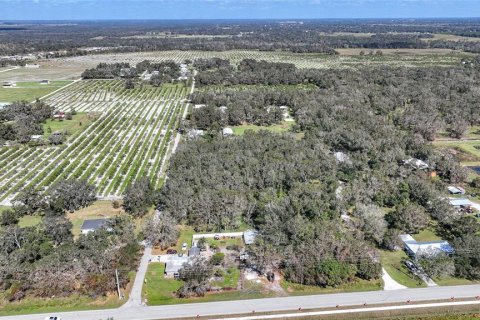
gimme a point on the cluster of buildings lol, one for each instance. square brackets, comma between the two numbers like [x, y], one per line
[173, 263]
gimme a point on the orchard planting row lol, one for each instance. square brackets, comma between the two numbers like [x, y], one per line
[131, 138]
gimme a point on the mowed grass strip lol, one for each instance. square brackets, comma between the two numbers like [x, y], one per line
[295, 289]
[79, 122]
[29, 91]
[31, 305]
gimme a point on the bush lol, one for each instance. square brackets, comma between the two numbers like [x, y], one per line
[217, 259]
[115, 204]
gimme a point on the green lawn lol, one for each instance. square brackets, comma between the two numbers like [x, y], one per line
[186, 234]
[43, 305]
[282, 127]
[79, 122]
[159, 290]
[29, 221]
[426, 235]
[225, 242]
[451, 281]
[358, 285]
[98, 210]
[230, 279]
[392, 262]
[29, 91]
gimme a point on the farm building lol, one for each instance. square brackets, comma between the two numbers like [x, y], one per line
[249, 236]
[416, 249]
[173, 265]
[93, 225]
[456, 190]
[44, 81]
[460, 202]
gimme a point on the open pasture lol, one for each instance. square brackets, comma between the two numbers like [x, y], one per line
[132, 137]
[29, 91]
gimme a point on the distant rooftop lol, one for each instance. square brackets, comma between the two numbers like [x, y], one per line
[94, 224]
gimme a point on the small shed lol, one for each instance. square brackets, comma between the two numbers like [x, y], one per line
[93, 225]
[456, 190]
[227, 131]
[45, 82]
[249, 236]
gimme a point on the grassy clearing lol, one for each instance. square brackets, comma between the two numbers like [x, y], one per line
[160, 291]
[230, 279]
[426, 235]
[392, 262]
[31, 305]
[29, 221]
[98, 210]
[403, 51]
[359, 285]
[451, 37]
[186, 234]
[472, 154]
[282, 127]
[79, 122]
[29, 91]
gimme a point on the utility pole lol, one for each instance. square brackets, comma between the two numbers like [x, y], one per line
[118, 284]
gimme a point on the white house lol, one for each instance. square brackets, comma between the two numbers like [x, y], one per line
[174, 264]
[416, 249]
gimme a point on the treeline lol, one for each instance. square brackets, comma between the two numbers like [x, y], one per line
[162, 72]
[309, 36]
[324, 203]
[110, 71]
[423, 100]
[250, 71]
[45, 260]
[20, 120]
[234, 107]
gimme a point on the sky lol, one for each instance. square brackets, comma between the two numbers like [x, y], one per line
[234, 9]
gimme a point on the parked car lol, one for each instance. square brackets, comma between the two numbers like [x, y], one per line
[216, 237]
[171, 251]
[410, 265]
[184, 246]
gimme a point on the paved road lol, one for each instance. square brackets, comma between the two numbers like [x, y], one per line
[135, 298]
[265, 305]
